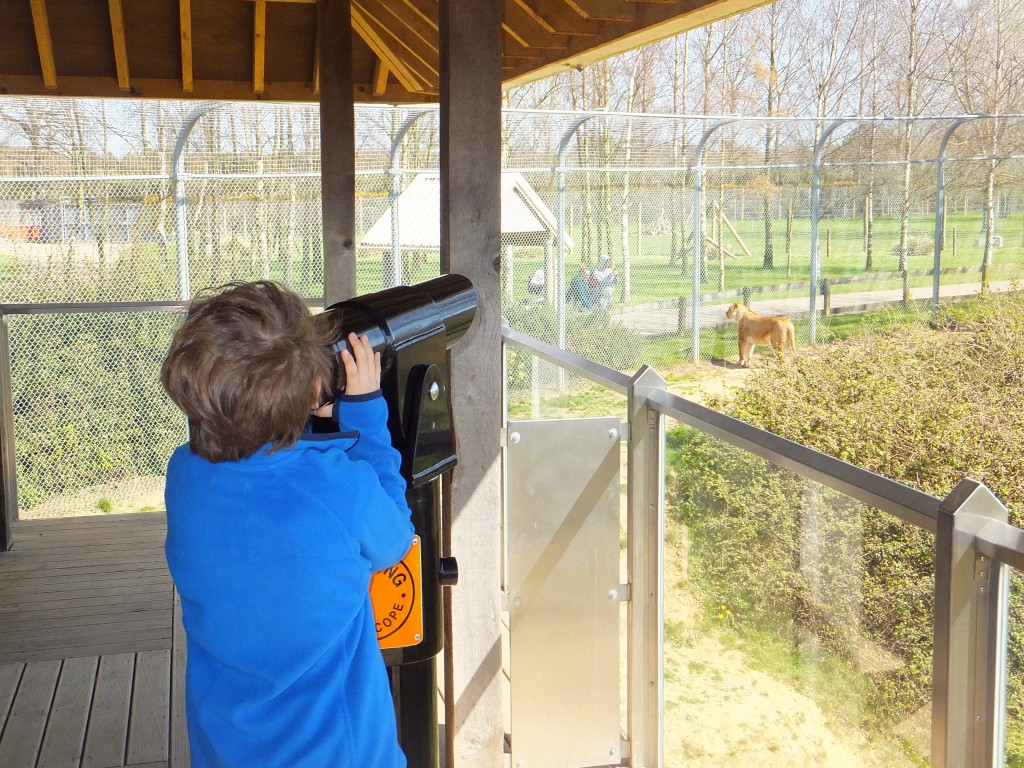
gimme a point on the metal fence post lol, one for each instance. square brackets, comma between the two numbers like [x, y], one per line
[940, 201]
[971, 607]
[698, 230]
[180, 200]
[8, 465]
[394, 190]
[815, 215]
[645, 526]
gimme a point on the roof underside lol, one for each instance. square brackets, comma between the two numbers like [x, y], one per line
[267, 49]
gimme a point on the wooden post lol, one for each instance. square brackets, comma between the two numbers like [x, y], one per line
[470, 63]
[337, 149]
[828, 243]
[953, 244]
[826, 301]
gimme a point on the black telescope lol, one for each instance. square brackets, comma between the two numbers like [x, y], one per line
[412, 327]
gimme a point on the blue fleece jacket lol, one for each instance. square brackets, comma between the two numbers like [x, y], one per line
[272, 556]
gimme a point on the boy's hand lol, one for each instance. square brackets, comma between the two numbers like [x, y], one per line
[362, 366]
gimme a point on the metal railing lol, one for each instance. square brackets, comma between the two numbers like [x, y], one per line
[975, 547]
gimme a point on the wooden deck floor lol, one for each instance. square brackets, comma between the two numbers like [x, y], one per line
[90, 674]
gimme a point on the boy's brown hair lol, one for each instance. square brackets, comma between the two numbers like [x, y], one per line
[243, 366]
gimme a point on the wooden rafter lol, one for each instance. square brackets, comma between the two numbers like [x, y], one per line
[44, 43]
[603, 10]
[557, 18]
[185, 23]
[527, 30]
[406, 27]
[259, 45]
[425, 11]
[370, 33]
[400, 51]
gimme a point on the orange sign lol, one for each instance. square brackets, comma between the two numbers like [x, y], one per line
[395, 594]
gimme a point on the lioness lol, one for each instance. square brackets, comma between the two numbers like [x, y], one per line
[775, 331]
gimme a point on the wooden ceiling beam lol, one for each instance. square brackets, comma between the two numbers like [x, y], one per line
[259, 45]
[418, 57]
[120, 45]
[371, 34]
[527, 31]
[510, 46]
[44, 43]
[556, 18]
[404, 26]
[425, 11]
[185, 24]
[603, 10]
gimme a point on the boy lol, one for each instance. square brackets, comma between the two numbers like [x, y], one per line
[273, 533]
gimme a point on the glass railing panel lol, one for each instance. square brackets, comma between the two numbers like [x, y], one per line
[1014, 732]
[798, 622]
[93, 428]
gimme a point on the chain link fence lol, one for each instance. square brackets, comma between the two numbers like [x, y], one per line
[624, 237]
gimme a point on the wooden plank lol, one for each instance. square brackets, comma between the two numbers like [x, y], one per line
[107, 733]
[76, 608]
[26, 722]
[55, 583]
[65, 733]
[259, 44]
[148, 737]
[185, 24]
[120, 45]
[470, 245]
[10, 676]
[417, 52]
[44, 43]
[107, 615]
[124, 642]
[180, 755]
[53, 636]
[126, 646]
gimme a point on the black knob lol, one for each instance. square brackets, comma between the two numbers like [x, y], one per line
[448, 571]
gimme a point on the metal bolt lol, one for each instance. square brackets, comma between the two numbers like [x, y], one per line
[981, 574]
[517, 603]
[417, 637]
[434, 390]
[611, 752]
[613, 594]
[514, 438]
[983, 558]
[981, 588]
[613, 433]
[977, 717]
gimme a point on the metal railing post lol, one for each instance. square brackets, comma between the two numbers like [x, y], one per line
[645, 536]
[180, 200]
[8, 465]
[940, 202]
[698, 232]
[815, 215]
[971, 607]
